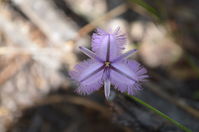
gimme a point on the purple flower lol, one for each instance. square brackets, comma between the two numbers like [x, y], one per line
[107, 65]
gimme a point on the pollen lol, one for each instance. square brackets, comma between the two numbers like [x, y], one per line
[107, 63]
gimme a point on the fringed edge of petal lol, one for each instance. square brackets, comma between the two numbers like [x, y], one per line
[130, 89]
[139, 70]
[84, 90]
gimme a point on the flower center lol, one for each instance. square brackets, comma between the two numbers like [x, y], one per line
[107, 64]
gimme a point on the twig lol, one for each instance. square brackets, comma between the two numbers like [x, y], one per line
[57, 27]
[10, 70]
[74, 100]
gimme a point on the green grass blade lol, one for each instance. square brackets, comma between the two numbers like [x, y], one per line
[147, 7]
[182, 127]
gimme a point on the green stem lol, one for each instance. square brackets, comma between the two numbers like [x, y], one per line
[160, 113]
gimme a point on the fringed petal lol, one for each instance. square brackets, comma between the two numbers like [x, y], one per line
[107, 46]
[89, 76]
[127, 75]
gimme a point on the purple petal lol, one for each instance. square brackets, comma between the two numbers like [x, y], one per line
[89, 53]
[124, 56]
[126, 75]
[89, 76]
[107, 46]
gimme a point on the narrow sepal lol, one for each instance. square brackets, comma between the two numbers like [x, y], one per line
[107, 87]
[124, 56]
[89, 53]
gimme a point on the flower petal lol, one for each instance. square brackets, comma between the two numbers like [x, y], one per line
[126, 75]
[89, 76]
[107, 46]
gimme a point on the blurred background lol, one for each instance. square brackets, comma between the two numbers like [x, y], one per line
[39, 42]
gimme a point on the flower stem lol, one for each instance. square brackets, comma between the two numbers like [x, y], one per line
[185, 129]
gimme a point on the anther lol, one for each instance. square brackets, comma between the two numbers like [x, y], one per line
[107, 63]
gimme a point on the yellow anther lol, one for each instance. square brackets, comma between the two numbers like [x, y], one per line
[107, 63]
